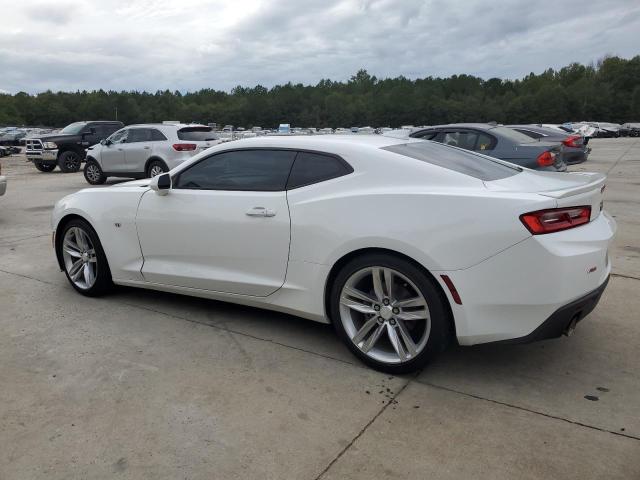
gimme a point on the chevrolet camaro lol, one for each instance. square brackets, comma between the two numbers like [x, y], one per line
[404, 245]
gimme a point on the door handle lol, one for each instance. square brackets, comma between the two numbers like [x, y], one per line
[147, 148]
[261, 212]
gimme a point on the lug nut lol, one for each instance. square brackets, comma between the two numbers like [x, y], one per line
[392, 321]
[386, 301]
[376, 308]
[396, 310]
[380, 320]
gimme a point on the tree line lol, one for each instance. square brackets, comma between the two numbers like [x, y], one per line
[608, 90]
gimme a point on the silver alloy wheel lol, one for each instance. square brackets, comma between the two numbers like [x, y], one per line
[79, 257]
[93, 172]
[155, 171]
[385, 315]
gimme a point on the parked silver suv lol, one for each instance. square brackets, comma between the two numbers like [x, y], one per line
[146, 150]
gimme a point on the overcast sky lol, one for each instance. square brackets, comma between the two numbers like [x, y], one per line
[192, 44]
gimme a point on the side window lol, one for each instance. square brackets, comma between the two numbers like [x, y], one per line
[120, 136]
[139, 135]
[428, 135]
[315, 167]
[460, 139]
[485, 142]
[157, 135]
[248, 170]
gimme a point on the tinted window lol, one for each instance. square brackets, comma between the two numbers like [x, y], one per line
[315, 167]
[512, 135]
[74, 128]
[139, 135]
[464, 139]
[485, 142]
[196, 134]
[468, 163]
[528, 133]
[157, 135]
[119, 137]
[428, 135]
[250, 170]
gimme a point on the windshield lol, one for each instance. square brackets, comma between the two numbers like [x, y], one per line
[475, 165]
[74, 128]
[512, 135]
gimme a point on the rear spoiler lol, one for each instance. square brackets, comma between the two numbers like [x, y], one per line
[593, 181]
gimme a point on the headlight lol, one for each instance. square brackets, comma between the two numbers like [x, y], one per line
[49, 146]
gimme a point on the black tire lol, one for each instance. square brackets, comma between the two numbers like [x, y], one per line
[45, 167]
[441, 330]
[103, 282]
[93, 173]
[70, 161]
[154, 165]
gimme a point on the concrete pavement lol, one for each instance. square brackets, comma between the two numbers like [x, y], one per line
[143, 384]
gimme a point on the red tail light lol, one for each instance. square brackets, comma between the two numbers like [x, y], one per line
[546, 159]
[184, 147]
[573, 141]
[556, 219]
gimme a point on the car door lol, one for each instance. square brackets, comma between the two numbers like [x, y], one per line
[137, 149]
[112, 152]
[224, 226]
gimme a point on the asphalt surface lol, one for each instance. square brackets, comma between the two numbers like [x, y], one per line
[142, 384]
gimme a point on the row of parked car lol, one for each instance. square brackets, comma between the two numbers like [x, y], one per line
[111, 149]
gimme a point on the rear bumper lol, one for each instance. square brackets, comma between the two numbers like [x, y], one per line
[560, 321]
[3, 185]
[540, 280]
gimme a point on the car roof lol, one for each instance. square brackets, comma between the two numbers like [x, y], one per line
[169, 126]
[319, 142]
[481, 126]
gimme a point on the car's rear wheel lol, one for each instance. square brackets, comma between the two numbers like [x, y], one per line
[93, 173]
[69, 161]
[45, 167]
[85, 263]
[389, 313]
[155, 168]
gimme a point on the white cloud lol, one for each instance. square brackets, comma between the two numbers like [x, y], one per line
[192, 44]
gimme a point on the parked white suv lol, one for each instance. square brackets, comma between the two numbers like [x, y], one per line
[146, 150]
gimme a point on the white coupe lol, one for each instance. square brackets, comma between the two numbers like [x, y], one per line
[403, 245]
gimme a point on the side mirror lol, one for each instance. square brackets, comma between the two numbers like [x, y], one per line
[161, 184]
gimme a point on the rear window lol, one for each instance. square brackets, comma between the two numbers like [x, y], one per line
[197, 134]
[511, 134]
[468, 163]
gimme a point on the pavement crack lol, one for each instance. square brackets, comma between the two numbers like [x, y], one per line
[362, 431]
[26, 276]
[524, 409]
[621, 275]
[621, 157]
[243, 334]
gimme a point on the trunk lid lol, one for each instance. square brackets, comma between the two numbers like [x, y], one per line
[567, 189]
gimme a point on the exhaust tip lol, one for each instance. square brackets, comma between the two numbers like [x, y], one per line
[568, 331]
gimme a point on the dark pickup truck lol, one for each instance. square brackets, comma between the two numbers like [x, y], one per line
[67, 148]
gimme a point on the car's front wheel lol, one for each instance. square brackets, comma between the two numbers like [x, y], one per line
[85, 263]
[45, 167]
[93, 173]
[389, 313]
[69, 161]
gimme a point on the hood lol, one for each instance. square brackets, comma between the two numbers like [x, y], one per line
[57, 137]
[134, 183]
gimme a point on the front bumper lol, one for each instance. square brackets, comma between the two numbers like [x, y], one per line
[45, 156]
[3, 185]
